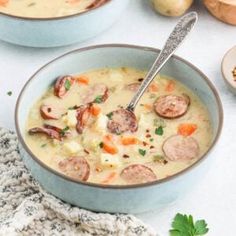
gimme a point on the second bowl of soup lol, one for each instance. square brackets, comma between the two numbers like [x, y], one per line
[75, 144]
[44, 23]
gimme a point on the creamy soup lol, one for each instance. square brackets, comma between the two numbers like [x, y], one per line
[76, 127]
[47, 8]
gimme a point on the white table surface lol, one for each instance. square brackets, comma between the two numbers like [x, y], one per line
[214, 198]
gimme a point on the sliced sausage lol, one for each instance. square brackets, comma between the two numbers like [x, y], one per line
[121, 121]
[50, 131]
[171, 106]
[82, 116]
[49, 112]
[75, 167]
[98, 93]
[133, 87]
[96, 3]
[178, 147]
[137, 174]
[62, 85]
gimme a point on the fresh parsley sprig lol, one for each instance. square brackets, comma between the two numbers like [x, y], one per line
[184, 225]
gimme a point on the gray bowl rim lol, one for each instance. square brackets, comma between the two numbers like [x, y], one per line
[103, 186]
[55, 18]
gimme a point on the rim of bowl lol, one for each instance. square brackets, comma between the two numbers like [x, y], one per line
[57, 17]
[103, 186]
[223, 71]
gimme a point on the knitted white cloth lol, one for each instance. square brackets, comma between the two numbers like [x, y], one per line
[26, 209]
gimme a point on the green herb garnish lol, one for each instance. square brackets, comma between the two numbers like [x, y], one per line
[43, 145]
[159, 122]
[9, 93]
[159, 131]
[152, 95]
[67, 84]
[101, 145]
[151, 139]
[184, 225]
[142, 152]
[63, 131]
[109, 115]
[98, 99]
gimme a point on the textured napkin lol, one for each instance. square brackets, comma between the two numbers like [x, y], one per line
[26, 209]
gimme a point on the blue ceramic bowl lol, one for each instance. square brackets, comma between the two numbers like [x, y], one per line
[60, 31]
[105, 198]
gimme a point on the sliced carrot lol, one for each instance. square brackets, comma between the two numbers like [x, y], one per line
[170, 86]
[148, 106]
[3, 3]
[186, 129]
[108, 145]
[109, 178]
[129, 140]
[153, 87]
[82, 79]
[95, 110]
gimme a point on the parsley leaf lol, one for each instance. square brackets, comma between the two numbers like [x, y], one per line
[109, 115]
[184, 225]
[63, 131]
[9, 93]
[43, 145]
[98, 99]
[142, 152]
[159, 131]
[67, 84]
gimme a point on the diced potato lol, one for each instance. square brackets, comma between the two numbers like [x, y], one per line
[70, 118]
[109, 161]
[72, 147]
[100, 124]
[116, 76]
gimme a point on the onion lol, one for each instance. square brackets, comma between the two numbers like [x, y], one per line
[224, 10]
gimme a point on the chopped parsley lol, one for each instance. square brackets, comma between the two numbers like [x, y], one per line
[159, 131]
[151, 139]
[43, 145]
[159, 122]
[63, 131]
[184, 225]
[159, 158]
[9, 93]
[142, 152]
[98, 99]
[67, 84]
[109, 115]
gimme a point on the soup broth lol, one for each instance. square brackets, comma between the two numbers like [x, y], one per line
[47, 8]
[70, 128]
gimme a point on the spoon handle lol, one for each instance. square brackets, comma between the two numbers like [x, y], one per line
[177, 36]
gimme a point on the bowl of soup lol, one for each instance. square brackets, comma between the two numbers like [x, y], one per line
[71, 138]
[43, 23]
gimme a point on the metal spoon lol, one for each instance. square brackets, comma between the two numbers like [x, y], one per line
[181, 30]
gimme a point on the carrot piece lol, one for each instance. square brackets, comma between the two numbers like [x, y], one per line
[129, 140]
[186, 129]
[148, 106]
[3, 3]
[108, 145]
[109, 178]
[170, 86]
[82, 79]
[153, 87]
[95, 110]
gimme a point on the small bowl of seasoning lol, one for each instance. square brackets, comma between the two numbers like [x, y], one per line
[228, 68]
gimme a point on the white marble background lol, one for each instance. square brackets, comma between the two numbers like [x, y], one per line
[214, 198]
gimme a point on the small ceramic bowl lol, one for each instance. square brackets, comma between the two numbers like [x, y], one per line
[228, 68]
[112, 198]
[60, 31]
